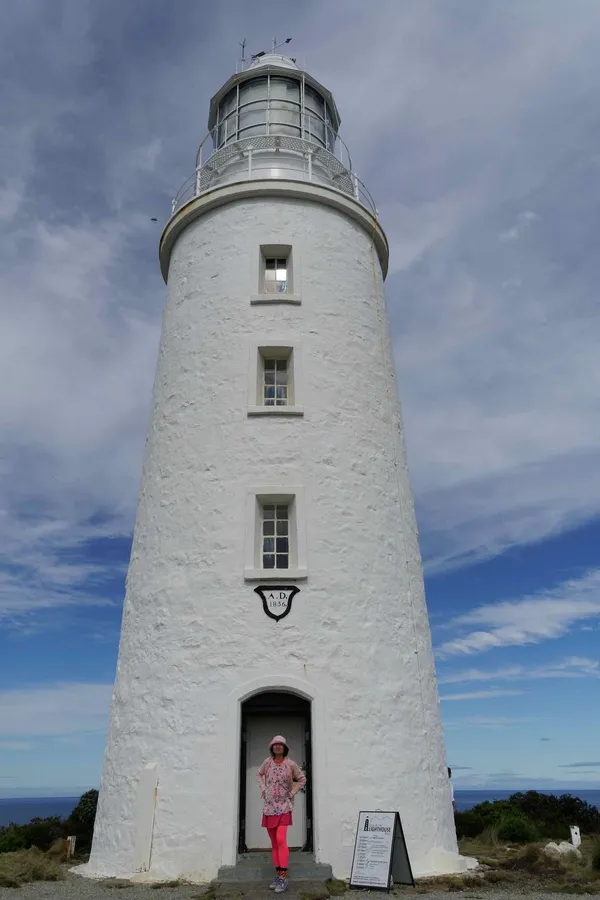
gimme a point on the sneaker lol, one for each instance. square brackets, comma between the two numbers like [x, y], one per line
[282, 886]
[274, 883]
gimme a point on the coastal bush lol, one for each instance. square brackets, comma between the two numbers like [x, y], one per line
[549, 815]
[554, 814]
[517, 829]
[11, 839]
[42, 833]
[468, 824]
[81, 821]
[596, 856]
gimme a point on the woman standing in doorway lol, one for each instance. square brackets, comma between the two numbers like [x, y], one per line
[279, 779]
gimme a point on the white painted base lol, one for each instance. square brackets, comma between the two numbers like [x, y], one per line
[439, 863]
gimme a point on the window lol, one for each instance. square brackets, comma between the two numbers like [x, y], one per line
[274, 380]
[278, 275]
[275, 278]
[275, 534]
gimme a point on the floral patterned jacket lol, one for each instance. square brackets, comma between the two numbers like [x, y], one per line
[276, 783]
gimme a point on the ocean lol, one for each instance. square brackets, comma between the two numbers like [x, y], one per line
[21, 811]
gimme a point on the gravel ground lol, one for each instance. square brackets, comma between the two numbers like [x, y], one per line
[77, 888]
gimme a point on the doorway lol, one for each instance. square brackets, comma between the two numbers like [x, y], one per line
[263, 716]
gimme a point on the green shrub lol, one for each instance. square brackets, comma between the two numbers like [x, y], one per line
[469, 824]
[81, 821]
[84, 813]
[11, 839]
[596, 856]
[42, 833]
[518, 830]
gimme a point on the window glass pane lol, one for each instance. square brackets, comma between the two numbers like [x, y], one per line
[282, 561]
[313, 102]
[285, 89]
[315, 128]
[268, 512]
[284, 112]
[282, 512]
[275, 275]
[281, 394]
[270, 378]
[269, 364]
[269, 528]
[268, 561]
[253, 120]
[282, 545]
[253, 90]
[282, 527]
[268, 545]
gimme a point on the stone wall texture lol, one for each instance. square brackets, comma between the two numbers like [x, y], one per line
[194, 632]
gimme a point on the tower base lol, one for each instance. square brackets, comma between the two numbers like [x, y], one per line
[257, 867]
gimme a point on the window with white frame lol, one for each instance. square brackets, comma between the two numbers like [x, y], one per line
[275, 275]
[278, 275]
[276, 387]
[275, 380]
[275, 538]
[275, 534]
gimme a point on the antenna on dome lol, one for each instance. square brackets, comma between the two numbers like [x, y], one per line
[276, 46]
[243, 56]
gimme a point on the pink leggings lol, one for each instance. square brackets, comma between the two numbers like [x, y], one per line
[281, 854]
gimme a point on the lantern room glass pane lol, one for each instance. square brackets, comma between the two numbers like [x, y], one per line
[253, 107]
[284, 106]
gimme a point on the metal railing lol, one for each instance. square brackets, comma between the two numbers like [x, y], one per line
[273, 156]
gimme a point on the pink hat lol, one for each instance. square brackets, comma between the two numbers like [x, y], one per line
[278, 739]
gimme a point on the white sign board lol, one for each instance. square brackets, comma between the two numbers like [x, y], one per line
[575, 836]
[373, 850]
[379, 852]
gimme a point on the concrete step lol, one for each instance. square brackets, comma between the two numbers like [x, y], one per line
[258, 867]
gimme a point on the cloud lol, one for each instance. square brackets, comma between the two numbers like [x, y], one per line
[480, 695]
[571, 667]
[580, 765]
[544, 616]
[523, 221]
[488, 721]
[54, 710]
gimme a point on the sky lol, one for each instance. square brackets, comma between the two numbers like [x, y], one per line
[476, 128]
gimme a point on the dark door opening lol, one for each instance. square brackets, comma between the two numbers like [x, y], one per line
[263, 716]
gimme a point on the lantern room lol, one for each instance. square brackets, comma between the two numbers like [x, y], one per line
[273, 97]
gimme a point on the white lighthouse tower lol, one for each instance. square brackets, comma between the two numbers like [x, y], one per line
[275, 582]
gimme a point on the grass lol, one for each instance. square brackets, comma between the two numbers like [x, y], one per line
[24, 866]
[336, 887]
[315, 894]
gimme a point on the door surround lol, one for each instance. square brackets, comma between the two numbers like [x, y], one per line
[232, 744]
[276, 705]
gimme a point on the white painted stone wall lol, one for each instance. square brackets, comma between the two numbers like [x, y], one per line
[195, 640]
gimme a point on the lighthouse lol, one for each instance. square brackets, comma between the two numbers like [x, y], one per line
[275, 582]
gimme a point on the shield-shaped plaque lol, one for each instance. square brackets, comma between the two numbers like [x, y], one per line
[277, 599]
